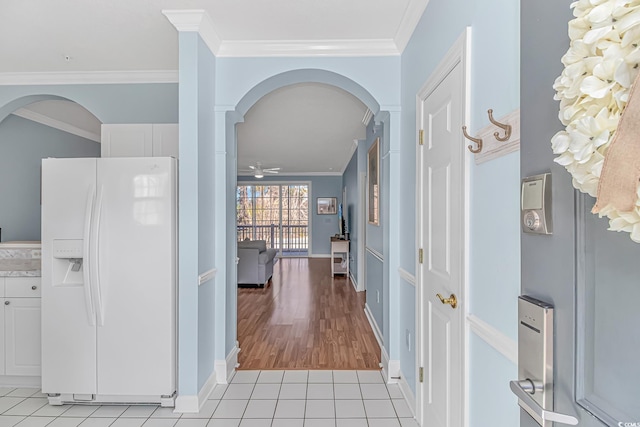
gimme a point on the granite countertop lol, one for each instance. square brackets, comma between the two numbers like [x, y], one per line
[20, 259]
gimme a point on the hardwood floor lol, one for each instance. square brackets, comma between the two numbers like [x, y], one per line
[305, 319]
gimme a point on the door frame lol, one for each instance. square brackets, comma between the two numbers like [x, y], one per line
[459, 53]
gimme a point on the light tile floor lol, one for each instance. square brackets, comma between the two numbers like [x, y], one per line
[252, 399]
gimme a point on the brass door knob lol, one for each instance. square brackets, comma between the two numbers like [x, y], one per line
[452, 301]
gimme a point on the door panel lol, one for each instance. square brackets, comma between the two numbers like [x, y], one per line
[608, 339]
[439, 367]
[439, 243]
[68, 337]
[442, 215]
[136, 314]
[22, 336]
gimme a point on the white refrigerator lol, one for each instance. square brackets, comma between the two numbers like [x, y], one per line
[109, 300]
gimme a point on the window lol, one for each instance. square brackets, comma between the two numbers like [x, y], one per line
[278, 214]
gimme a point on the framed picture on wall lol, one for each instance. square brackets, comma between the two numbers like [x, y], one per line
[327, 205]
[373, 184]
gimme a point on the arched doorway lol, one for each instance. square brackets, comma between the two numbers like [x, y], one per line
[236, 118]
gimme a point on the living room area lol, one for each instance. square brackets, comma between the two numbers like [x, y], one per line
[301, 226]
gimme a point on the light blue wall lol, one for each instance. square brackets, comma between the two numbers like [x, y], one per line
[351, 208]
[23, 145]
[206, 211]
[197, 250]
[380, 76]
[188, 243]
[494, 186]
[322, 226]
[110, 103]
[490, 373]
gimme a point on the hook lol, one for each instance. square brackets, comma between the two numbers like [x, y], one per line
[507, 128]
[478, 141]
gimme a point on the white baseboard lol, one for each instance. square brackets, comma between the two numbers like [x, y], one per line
[354, 283]
[384, 363]
[408, 394]
[224, 368]
[193, 404]
[393, 372]
[374, 326]
[207, 389]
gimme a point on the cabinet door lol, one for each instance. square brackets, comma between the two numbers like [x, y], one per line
[127, 140]
[22, 336]
[165, 140]
[2, 302]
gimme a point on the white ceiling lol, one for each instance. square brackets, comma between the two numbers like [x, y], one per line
[306, 134]
[110, 35]
[303, 129]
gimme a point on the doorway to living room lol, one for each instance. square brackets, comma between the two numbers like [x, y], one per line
[277, 214]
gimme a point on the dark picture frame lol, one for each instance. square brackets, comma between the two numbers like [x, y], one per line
[373, 183]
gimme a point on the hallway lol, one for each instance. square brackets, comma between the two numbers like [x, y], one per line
[305, 319]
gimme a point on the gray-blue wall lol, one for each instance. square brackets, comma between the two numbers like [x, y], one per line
[351, 207]
[23, 145]
[589, 274]
[322, 226]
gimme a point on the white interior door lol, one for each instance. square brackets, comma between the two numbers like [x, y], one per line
[441, 236]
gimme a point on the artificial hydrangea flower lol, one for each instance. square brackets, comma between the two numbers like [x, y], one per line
[601, 64]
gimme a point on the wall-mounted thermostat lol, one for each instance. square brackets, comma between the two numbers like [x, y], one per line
[536, 204]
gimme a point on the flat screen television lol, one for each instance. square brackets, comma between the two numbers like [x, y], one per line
[342, 224]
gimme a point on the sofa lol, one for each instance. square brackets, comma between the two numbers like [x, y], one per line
[255, 262]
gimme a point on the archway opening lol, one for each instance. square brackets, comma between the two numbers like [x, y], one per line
[302, 148]
[33, 128]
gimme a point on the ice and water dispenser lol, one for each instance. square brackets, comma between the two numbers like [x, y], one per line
[68, 262]
[534, 386]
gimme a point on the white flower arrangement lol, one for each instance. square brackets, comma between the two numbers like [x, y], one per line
[593, 89]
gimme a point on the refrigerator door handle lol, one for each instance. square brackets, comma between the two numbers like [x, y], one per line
[86, 248]
[95, 255]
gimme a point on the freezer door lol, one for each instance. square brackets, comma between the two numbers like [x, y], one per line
[136, 276]
[68, 335]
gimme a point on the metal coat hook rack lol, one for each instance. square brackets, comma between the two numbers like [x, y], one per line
[506, 128]
[478, 141]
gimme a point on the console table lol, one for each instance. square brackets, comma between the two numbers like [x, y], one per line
[339, 246]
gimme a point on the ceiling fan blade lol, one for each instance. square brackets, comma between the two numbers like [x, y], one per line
[270, 171]
[252, 167]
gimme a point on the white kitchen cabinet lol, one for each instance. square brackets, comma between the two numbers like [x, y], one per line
[165, 140]
[20, 353]
[139, 140]
[22, 336]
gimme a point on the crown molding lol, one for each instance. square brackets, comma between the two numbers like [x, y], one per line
[197, 20]
[304, 48]
[368, 115]
[352, 149]
[88, 77]
[56, 124]
[409, 22]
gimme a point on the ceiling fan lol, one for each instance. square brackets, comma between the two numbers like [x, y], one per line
[259, 171]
